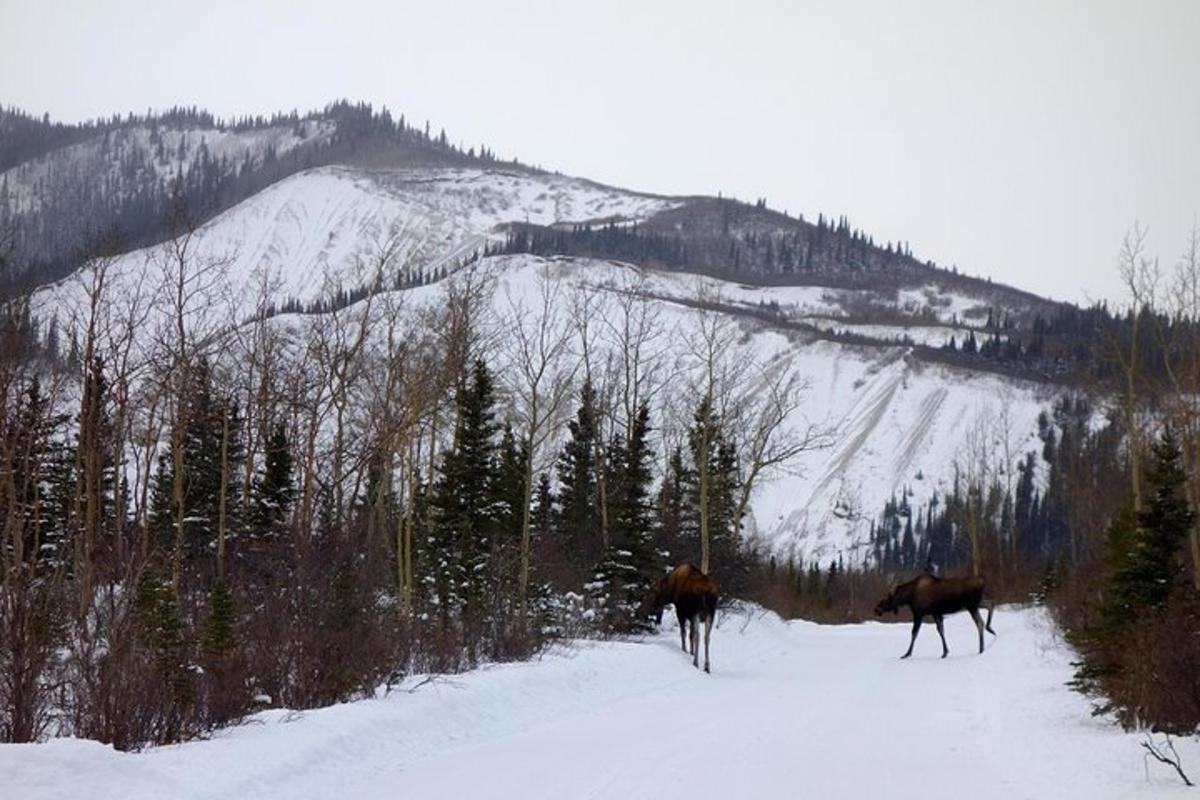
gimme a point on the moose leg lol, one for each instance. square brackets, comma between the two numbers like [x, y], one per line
[988, 624]
[942, 633]
[695, 642]
[707, 633]
[978, 626]
[682, 628]
[916, 629]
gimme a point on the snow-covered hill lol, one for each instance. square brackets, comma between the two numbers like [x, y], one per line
[153, 154]
[327, 226]
[900, 421]
[790, 709]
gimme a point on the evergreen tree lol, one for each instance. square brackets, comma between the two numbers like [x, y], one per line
[274, 489]
[509, 497]
[630, 563]
[1144, 569]
[204, 421]
[464, 510]
[217, 640]
[1148, 563]
[578, 522]
[723, 484]
[163, 637]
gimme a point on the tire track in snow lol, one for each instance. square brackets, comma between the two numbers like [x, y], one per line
[930, 406]
[863, 426]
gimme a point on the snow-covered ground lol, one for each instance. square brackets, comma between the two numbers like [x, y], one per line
[791, 710]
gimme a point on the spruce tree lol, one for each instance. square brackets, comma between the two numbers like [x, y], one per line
[509, 496]
[274, 490]
[578, 522]
[676, 522]
[163, 637]
[203, 417]
[464, 508]
[632, 561]
[1150, 567]
[1144, 568]
[723, 483]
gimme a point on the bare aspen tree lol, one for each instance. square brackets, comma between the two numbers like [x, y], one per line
[189, 286]
[540, 383]
[1179, 343]
[419, 388]
[974, 465]
[465, 332]
[1008, 467]
[86, 501]
[1140, 277]
[258, 346]
[129, 365]
[767, 442]
[586, 305]
[635, 332]
[715, 370]
[335, 343]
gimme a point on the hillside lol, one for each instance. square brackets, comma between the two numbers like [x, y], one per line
[826, 708]
[866, 327]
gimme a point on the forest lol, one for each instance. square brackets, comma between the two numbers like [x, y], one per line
[201, 520]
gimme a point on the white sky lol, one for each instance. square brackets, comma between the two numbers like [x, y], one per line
[1018, 139]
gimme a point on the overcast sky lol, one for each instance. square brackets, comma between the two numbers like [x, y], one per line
[1018, 140]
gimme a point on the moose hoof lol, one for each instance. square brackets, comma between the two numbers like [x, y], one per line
[906, 655]
[945, 654]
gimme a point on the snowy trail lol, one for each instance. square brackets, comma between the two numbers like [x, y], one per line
[792, 709]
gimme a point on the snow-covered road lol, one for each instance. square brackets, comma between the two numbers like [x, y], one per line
[791, 710]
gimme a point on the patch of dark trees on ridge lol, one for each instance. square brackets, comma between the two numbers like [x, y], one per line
[94, 210]
[1042, 341]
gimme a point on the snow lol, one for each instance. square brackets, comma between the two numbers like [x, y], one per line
[900, 421]
[326, 226]
[102, 155]
[790, 709]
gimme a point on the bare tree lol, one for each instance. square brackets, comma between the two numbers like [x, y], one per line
[1140, 276]
[190, 285]
[540, 384]
[1179, 343]
[715, 371]
[767, 442]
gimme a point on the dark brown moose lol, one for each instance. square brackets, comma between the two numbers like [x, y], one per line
[929, 595]
[694, 596]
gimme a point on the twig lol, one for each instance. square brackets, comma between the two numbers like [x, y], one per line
[427, 679]
[1161, 754]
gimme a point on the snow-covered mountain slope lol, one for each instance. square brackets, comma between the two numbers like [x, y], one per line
[790, 709]
[164, 150]
[898, 423]
[326, 227]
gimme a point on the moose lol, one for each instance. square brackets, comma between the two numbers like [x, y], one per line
[694, 596]
[929, 595]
